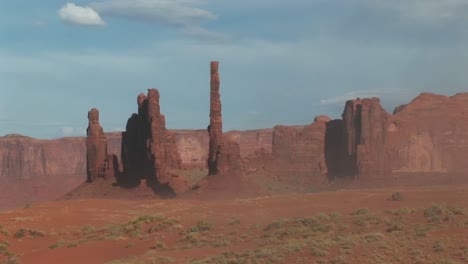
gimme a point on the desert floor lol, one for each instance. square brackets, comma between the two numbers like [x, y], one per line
[415, 225]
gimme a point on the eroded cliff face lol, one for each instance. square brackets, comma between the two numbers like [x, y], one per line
[425, 136]
[429, 135]
[293, 152]
[37, 170]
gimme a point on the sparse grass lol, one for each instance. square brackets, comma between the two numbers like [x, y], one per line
[438, 247]
[403, 235]
[62, 243]
[438, 213]
[3, 231]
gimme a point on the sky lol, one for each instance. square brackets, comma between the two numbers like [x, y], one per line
[281, 62]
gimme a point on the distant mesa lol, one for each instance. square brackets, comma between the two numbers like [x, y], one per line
[422, 142]
[15, 136]
[366, 143]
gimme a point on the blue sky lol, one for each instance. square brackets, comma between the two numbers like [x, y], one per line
[281, 62]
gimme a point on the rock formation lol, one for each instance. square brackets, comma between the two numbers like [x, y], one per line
[364, 124]
[96, 147]
[297, 154]
[149, 150]
[215, 129]
[34, 170]
[425, 136]
[428, 136]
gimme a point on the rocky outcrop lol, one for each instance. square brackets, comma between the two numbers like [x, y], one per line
[96, 148]
[149, 150]
[215, 129]
[364, 124]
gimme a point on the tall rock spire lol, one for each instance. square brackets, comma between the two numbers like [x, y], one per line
[215, 128]
[96, 147]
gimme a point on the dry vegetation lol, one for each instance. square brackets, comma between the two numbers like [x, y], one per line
[434, 233]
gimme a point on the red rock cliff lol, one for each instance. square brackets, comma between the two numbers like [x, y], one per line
[426, 136]
[429, 135]
[364, 124]
[34, 170]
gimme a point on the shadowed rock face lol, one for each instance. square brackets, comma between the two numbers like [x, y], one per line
[149, 151]
[96, 147]
[364, 124]
[215, 128]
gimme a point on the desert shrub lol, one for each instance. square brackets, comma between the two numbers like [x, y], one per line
[395, 227]
[234, 221]
[361, 211]
[87, 229]
[275, 225]
[23, 232]
[59, 244]
[20, 233]
[373, 237]
[398, 196]
[438, 246]
[201, 226]
[35, 233]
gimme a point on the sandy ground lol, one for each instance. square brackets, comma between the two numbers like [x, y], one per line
[427, 225]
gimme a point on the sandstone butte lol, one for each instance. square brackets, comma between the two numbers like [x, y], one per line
[427, 137]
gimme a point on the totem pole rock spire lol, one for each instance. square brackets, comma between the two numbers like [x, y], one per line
[96, 147]
[215, 128]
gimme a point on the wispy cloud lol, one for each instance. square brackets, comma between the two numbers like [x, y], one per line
[341, 99]
[181, 14]
[68, 131]
[425, 10]
[38, 23]
[80, 15]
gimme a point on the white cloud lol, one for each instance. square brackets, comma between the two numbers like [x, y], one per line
[175, 13]
[80, 15]
[72, 131]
